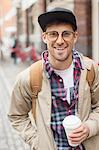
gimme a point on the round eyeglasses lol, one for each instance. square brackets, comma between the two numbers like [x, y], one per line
[53, 35]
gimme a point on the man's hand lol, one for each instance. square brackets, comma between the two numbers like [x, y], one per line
[79, 135]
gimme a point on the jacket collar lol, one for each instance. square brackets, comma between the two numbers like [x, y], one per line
[86, 62]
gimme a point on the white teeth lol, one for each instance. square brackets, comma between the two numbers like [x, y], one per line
[59, 48]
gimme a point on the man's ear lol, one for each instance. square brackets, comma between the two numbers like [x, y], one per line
[76, 37]
[44, 38]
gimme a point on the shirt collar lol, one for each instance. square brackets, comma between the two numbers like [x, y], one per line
[47, 66]
[77, 61]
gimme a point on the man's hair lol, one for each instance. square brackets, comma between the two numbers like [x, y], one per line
[56, 22]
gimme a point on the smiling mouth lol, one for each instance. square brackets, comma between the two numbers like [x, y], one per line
[60, 49]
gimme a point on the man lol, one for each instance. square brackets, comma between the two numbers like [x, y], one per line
[65, 91]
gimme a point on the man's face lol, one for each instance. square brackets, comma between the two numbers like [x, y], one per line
[60, 40]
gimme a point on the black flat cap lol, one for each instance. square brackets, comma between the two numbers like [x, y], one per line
[57, 13]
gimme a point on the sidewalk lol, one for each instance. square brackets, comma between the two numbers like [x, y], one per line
[9, 139]
[11, 70]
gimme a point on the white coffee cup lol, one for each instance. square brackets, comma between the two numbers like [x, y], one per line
[70, 123]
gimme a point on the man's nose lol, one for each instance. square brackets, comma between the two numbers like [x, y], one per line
[60, 39]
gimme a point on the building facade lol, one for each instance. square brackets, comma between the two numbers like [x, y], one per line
[7, 18]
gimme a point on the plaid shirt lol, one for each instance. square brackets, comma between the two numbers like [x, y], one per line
[60, 106]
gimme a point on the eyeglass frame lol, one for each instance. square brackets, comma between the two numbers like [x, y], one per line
[67, 37]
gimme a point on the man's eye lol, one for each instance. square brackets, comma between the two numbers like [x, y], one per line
[66, 34]
[53, 34]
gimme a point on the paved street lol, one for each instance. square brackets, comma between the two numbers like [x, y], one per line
[9, 139]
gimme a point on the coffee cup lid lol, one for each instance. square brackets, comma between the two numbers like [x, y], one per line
[71, 120]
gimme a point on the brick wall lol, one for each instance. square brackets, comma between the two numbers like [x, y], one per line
[82, 10]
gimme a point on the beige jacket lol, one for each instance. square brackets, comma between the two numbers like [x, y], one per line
[39, 134]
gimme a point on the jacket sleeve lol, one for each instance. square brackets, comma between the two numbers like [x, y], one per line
[20, 110]
[93, 120]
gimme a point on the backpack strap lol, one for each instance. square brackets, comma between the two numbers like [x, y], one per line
[90, 76]
[35, 83]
